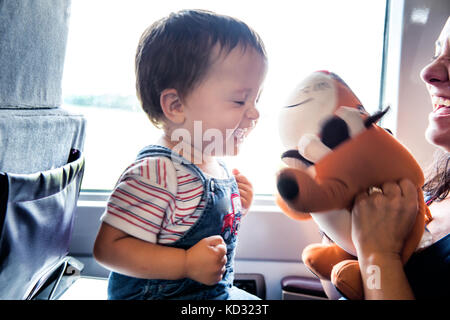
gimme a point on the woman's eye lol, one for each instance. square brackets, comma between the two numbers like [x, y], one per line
[241, 103]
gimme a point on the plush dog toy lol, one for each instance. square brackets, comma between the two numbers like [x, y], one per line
[335, 151]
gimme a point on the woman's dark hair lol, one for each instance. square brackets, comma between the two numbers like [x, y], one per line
[437, 186]
[175, 52]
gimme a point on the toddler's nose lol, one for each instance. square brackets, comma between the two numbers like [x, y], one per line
[252, 113]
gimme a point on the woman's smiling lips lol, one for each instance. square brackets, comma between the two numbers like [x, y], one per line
[440, 102]
[441, 107]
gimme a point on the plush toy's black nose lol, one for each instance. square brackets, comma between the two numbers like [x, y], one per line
[287, 187]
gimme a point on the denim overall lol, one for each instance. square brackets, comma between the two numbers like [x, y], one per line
[221, 216]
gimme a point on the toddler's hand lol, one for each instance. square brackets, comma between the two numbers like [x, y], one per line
[245, 190]
[205, 261]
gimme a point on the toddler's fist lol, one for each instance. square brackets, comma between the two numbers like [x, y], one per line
[205, 261]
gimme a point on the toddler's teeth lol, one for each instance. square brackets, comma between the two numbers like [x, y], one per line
[239, 133]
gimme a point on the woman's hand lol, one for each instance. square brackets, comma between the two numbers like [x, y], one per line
[245, 190]
[381, 221]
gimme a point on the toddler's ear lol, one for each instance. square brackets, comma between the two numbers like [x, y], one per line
[171, 106]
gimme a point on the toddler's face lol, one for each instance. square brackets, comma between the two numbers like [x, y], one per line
[223, 106]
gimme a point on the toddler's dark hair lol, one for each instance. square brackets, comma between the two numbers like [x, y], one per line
[175, 52]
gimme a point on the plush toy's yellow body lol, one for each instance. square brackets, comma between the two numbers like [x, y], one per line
[342, 154]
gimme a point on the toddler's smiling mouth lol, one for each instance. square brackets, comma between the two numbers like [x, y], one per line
[241, 133]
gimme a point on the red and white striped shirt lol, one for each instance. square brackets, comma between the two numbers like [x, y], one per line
[155, 200]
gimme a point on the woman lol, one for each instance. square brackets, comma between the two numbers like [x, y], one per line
[382, 220]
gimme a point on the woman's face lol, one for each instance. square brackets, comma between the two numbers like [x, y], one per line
[436, 76]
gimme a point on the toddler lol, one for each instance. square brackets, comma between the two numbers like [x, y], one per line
[170, 226]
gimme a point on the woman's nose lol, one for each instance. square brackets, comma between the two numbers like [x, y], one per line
[435, 73]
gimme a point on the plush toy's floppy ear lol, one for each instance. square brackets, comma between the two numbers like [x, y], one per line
[306, 194]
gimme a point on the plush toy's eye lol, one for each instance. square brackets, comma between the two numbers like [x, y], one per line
[376, 117]
[362, 110]
[334, 131]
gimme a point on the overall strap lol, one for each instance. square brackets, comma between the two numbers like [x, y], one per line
[160, 151]
[223, 165]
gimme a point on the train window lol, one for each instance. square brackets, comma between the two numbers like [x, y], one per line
[300, 37]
